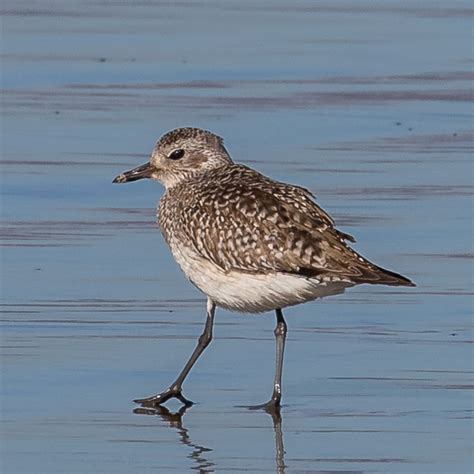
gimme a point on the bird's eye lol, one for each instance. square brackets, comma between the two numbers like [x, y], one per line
[176, 154]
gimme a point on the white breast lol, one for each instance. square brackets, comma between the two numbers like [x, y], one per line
[252, 292]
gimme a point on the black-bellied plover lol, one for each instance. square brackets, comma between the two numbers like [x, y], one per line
[251, 244]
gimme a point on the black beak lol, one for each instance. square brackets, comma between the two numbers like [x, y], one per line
[144, 171]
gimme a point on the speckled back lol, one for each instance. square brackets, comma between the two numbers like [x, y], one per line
[241, 220]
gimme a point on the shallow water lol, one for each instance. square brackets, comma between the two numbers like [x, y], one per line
[367, 104]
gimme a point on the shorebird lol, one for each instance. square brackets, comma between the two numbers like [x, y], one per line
[249, 243]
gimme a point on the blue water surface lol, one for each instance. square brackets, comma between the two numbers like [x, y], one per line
[368, 104]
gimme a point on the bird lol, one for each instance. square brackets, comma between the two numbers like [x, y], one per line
[251, 244]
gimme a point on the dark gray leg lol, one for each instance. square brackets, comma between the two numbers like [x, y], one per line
[175, 389]
[280, 336]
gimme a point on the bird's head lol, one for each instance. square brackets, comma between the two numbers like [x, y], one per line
[180, 155]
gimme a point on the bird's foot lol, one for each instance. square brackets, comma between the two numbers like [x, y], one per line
[272, 406]
[157, 400]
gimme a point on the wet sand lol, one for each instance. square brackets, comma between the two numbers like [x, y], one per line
[368, 105]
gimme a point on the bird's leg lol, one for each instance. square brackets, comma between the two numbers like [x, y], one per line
[280, 336]
[175, 389]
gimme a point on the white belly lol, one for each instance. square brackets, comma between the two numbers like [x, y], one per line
[252, 292]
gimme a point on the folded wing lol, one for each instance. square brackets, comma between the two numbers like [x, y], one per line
[267, 226]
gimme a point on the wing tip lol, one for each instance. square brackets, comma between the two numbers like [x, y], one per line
[387, 277]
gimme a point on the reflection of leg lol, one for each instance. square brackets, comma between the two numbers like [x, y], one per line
[279, 447]
[280, 336]
[175, 420]
[175, 389]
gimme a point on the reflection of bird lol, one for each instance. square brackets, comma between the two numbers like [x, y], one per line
[249, 243]
[175, 420]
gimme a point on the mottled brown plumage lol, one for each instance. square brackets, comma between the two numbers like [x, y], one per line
[241, 220]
